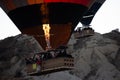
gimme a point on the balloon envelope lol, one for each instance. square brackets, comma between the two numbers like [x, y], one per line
[62, 15]
[89, 15]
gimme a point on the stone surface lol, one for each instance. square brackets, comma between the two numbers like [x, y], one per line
[96, 58]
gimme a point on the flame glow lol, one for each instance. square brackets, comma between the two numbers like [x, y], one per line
[46, 28]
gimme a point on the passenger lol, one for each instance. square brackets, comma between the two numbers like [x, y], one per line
[42, 56]
[49, 56]
[62, 52]
[45, 56]
[34, 58]
[28, 61]
[39, 63]
[53, 54]
[38, 68]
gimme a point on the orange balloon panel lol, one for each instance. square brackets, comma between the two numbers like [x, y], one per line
[9, 5]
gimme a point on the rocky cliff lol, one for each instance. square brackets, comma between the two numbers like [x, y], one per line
[13, 50]
[96, 58]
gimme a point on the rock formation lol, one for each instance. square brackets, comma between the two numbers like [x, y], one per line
[96, 58]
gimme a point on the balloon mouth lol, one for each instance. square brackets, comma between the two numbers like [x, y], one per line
[59, 35]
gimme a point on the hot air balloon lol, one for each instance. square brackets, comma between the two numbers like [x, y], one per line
[61, 15]
[51, 22]
[88, 17]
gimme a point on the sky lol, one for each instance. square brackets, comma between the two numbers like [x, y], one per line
[105, 20]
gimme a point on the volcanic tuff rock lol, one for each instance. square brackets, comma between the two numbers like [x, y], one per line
[13, 50]
[96, 58]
